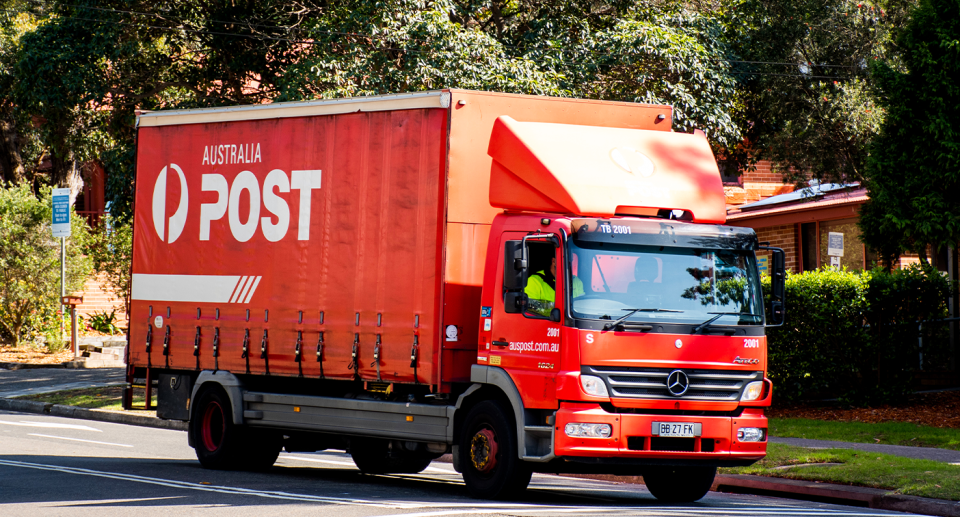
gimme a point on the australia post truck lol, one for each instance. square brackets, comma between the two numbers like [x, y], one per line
[529, 284]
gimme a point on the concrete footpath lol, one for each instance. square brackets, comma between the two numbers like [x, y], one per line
[30, 381]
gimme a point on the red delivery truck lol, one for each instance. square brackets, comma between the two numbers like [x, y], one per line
[531, 284]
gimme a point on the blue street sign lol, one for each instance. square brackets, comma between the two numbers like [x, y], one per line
[61, 212]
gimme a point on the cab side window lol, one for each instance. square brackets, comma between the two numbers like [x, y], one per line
[534, 293]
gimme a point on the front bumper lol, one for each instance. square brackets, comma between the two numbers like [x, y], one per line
[632, 437]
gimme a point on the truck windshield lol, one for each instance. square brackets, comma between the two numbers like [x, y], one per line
[663, 284]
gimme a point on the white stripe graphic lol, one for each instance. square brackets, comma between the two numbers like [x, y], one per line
[246, 287]
[194, 288]
[252, 289]
[236, 292]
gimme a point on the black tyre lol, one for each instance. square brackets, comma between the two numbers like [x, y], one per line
[374, 456]
[263, 448]
[679, 484]
[489, 458]
[222, 445]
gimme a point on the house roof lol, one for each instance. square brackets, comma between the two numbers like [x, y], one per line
[839, 205]
[808, 194]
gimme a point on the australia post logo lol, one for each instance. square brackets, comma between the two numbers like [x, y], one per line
[269, 212]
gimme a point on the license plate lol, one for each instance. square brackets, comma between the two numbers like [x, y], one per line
[676, 429]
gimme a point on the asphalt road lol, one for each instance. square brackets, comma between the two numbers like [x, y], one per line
[60, 466]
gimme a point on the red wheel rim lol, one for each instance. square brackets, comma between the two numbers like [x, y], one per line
[213, 425]
[483, 450]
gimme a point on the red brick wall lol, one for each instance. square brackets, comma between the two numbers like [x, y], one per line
[97, 297]
[781, 237]
[763, 182]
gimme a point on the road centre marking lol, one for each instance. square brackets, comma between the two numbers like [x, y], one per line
[79, 440]
[449, 508]
[50, 425]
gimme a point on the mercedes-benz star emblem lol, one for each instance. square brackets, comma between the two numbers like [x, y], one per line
[677, 383]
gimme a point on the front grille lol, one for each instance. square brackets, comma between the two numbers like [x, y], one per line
[651, 383]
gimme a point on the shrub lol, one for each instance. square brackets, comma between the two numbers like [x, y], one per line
[111, 249]
[816, 352]
[30, 262]
[853, 335]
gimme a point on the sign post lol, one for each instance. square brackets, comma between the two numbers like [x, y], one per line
[61, 228]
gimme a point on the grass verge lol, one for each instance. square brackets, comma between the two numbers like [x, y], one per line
[892, 433]
[108, 398]
[924, 478]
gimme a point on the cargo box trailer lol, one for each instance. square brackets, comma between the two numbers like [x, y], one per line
[530, 283]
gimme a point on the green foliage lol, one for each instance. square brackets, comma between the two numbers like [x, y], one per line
[617, 51]
[853, 335]
[809, 103]
[104, 323]
[110, 248]
[914, 168]
[817, 353]
[30, 262]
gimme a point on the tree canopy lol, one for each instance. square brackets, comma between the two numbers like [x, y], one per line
[805, 84]
[914, 165]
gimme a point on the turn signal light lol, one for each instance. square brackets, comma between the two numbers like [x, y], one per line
[588, 430]
[752, 392]
[593, 386]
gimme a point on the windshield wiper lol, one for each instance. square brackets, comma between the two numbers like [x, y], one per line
[707, 323]
[623, 318]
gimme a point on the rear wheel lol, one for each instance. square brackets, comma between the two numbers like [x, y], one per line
[679, 484]
[222, 445]
[489, 457]
[374, 456]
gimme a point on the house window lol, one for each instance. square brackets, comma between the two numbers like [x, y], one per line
[853, 256]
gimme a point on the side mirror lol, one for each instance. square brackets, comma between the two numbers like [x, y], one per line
[555, 315]
[513, 267]
[778, 286]
[514, 302]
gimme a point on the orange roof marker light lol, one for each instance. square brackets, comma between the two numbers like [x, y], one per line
[602, 172]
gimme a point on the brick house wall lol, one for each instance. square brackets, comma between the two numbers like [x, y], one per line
[784, 237]
[97, 297]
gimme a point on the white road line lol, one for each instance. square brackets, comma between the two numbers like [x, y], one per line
[50, 425]
[442, 509]
[80, 440]
[352, 464]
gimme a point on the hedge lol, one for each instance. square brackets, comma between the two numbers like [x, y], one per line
[852, 336]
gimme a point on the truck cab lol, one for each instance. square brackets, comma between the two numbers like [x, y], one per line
[646, 351]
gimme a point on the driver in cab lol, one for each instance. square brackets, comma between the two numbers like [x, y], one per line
[541, 289]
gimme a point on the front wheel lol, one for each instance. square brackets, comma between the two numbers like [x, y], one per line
[679, 484]
[489, 455]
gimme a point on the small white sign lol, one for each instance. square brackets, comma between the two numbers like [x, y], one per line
[487, 324]
[61, 212]
[835, 244]
[452, 332]
[835, 261]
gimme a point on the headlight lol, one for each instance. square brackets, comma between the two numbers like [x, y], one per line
[751, 434]
[588, 430]
[593, 386]
[753, 391]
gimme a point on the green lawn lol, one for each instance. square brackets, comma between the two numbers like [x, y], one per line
[97, 398]
[893, 433]
[924, 478]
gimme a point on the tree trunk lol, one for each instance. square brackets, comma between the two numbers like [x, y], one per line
[11, 161]
[66, 174]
